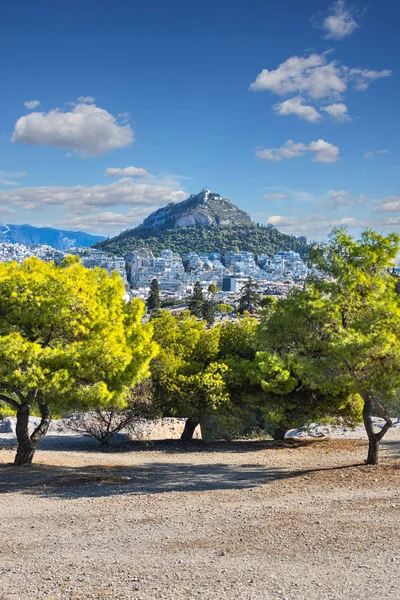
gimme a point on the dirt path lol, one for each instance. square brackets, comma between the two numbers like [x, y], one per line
[240, 521]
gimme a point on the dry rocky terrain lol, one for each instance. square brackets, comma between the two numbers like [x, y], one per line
[256, 520]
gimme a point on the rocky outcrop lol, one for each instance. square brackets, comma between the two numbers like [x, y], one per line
[206, 208]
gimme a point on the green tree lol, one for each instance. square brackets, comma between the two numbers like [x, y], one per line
[237, 349]
[224, 309]
[239, 339]
[288, 400]
[67, 341]
[196, 301]
[188, 381]
[153, 301]
[249, 296]
[268, 304]
[339, 338]
[208, 312]
[212, 290]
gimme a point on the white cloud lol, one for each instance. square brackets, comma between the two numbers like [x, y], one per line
[87, 129]
[274, 196]
[296, 106]
[340, 23]
[85, 207]
[342, 198]
[374, 152]
[318, 226]
[388, 204]
[337, 111]
[106, 221]
[31, 104]
[6, 175]
[7, 182]
[315, 77]
[315, 225]
[127, 172]
[361, 78]
[86, 99]
[323, 151]
[5, 210]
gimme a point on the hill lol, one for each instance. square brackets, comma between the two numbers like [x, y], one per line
[251, 238]
[206, 208]
[204, 222]
[56, 238]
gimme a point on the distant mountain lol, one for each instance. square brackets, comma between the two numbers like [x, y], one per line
[205, 222]
[57, 238]
[206, 209]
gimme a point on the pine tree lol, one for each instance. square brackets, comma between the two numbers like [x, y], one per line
[196, 301]
[153, 301]
[68, 342]
[208, 312]
[250, 297]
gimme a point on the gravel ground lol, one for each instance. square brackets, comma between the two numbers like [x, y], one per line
[300, 520]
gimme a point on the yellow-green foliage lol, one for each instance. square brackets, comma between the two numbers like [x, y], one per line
[337, 341]
[188, 380]
[67, 337]
[224, 309]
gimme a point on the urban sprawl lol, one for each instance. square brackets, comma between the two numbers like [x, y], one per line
[176, 275]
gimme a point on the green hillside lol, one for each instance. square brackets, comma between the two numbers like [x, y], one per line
[252, 238]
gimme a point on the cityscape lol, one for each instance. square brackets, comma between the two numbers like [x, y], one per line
[176, 275]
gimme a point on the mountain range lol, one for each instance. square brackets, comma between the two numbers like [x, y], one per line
[204, 222]
[57, 238]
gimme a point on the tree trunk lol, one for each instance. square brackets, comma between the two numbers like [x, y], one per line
[373, 448]
[374, 438]
[279, 434]
[190, 426]
[27, 444]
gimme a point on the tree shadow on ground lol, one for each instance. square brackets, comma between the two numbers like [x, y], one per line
[122, 443]
[102, 481]
[390, 449]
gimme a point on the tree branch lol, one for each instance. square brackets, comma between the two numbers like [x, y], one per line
[20, 396]
[9, 401]
[43, 426]
[383, 414]
[384, 429]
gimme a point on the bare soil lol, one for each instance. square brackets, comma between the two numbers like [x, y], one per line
[300, 520]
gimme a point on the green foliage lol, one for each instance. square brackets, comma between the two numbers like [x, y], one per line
[167, 302]
[153, 301]
[67, 338]
[249, 296]
[6, 412]
[208, 312]
[196, 301]
[224, 309]
[212, 289]
[250, 238]
[188, 381]
[268, 304]
[238, 339]
[334, 347]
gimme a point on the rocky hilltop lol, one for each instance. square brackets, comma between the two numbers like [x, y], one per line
[206, 209]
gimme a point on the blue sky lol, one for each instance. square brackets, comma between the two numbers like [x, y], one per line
[109, 110]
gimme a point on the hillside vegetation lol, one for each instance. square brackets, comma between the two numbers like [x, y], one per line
[252, 238]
